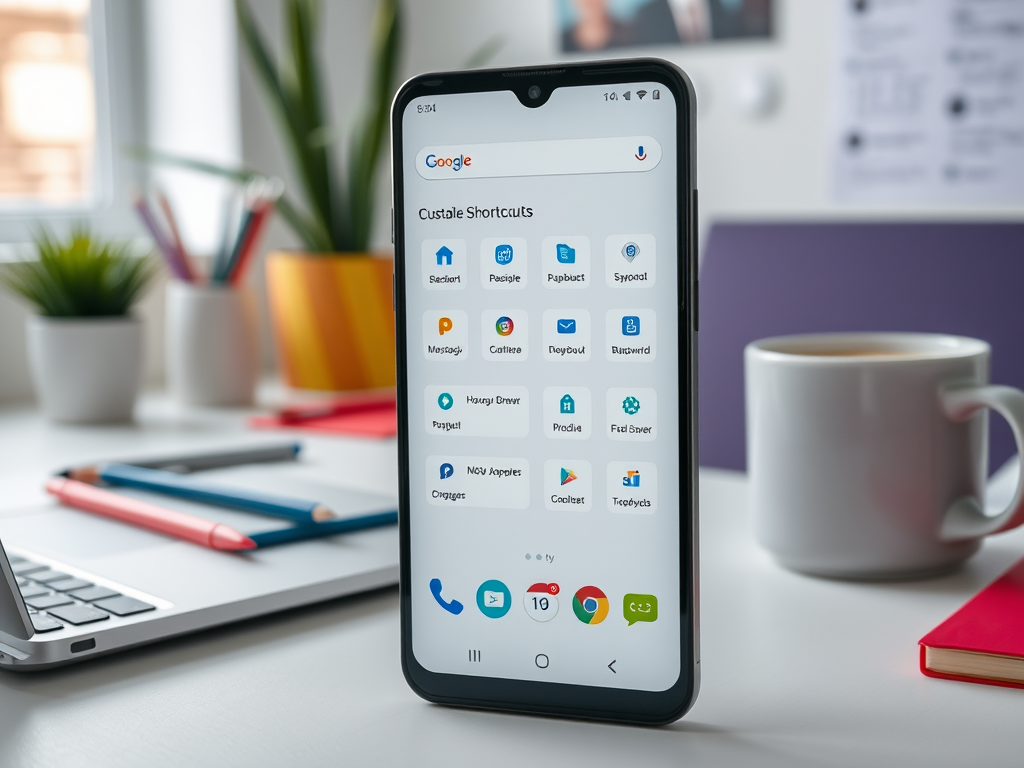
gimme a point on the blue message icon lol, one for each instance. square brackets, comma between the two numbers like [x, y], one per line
[567, 325]
[503, 254]
[630, 325]
[566, 255]
[447, 470]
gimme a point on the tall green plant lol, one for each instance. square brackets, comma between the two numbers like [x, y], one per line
[337, 211]
[339, 216]
[80, 277]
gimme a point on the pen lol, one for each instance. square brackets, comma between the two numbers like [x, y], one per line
[185, 487]
[146, 515]
[330, 528]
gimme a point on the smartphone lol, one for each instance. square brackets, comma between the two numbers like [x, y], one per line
[546, 317]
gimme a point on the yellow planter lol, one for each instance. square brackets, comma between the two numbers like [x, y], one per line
[333, 319]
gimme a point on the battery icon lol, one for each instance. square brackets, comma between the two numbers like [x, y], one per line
[656, 94]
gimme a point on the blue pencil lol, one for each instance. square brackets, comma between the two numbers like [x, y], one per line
[330, 528]
[186, 487]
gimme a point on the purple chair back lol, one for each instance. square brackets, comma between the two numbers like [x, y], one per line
[760, 280]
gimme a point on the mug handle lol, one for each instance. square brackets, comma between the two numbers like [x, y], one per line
[966, 519]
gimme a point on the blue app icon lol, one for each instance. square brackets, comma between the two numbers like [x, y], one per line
[445, 401]
[493, 599]
[567, 404]
[630, 325]
[444, 256]
[503, 254]
[447, 470]
[453, 607]
[566, 255]
[567, 325]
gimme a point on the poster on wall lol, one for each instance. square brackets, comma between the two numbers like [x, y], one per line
[928, 102]
[598, 25]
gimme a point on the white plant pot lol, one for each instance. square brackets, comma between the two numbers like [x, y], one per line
[85, 370]
[211, 344]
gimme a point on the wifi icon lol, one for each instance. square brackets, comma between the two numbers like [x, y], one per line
[626, 95]
[641, 94]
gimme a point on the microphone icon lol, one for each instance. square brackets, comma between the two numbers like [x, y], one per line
[640, 154]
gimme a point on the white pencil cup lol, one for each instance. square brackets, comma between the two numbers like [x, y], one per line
[211, 344]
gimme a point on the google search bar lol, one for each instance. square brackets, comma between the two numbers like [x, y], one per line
[623, 154]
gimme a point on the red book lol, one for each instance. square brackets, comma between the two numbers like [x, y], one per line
[366, 415]
[983, 642]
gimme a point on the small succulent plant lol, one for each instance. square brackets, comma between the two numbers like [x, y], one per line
[81, 276]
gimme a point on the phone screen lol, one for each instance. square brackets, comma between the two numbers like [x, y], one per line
[542, 306]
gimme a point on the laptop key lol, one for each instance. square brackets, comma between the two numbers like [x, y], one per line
[78, 614]
[45, 577]
[23, 569]
[124, 606]
[93, 593]
[45, 602]
[44, 623]
[34, 590]
[66, 585]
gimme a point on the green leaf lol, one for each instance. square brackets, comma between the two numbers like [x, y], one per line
[369, 137]
[303, 81]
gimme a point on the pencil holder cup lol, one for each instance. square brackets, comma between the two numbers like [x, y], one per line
[211, 344]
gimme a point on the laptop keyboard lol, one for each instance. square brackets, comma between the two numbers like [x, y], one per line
[55, 598]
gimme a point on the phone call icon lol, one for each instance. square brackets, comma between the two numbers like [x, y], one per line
[453, 607]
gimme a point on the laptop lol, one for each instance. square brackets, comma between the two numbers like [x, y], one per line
[76, 586]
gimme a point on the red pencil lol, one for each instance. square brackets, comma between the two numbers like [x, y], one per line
[173, 523]
[261, 212]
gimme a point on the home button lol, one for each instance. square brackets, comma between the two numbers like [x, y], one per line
[541, 660]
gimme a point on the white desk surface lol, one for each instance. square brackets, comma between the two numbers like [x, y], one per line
[796, 671]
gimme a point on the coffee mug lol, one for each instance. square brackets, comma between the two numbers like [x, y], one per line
[867, 452]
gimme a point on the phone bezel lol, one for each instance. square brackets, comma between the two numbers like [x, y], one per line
[580, 701]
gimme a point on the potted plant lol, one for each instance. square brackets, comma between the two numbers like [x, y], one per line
[84, 346]
[330, 303]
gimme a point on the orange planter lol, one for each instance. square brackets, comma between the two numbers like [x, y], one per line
[333, 319]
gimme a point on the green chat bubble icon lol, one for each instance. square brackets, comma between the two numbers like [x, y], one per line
[637, 607]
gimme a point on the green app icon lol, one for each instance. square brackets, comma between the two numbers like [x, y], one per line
[637, 607]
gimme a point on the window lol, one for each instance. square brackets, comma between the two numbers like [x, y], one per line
[47, 105]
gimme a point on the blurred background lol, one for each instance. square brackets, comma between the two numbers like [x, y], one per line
[808, 110]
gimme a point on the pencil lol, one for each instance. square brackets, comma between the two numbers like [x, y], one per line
[225, 265]
[320, 530]
[184, 487]
[236, 269]
[145, 515]
[186, 261]
[163, 244]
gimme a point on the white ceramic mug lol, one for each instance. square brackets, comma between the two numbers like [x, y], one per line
[867, 452]
[211, 344]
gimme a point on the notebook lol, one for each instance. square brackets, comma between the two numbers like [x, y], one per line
[983, 642]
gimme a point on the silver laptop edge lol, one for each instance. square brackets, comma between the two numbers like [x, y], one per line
[24, 649]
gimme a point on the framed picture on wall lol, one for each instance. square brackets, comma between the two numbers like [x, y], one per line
[598, 25]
